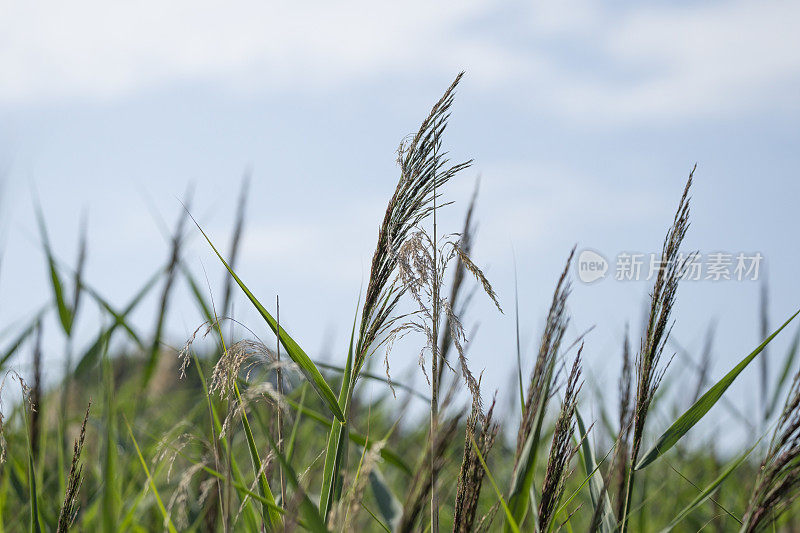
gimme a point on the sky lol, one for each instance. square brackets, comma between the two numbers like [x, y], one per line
[583, 119]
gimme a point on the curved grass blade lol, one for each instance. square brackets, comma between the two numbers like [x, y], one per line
[296, 353]
[697, 411]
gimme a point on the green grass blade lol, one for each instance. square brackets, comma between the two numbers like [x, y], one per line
[236, 479]
[296, 353]
[786, 372]
[337, 438]
[521, 499]
[376, 377]
[159, 502]
[389, 506]
[308, 510]
[270, 517]
[33, 493]
[110, 494]
[388, 455]
[91, 355]
[21, 338]
[512, 524]
[697, 411]
[706, 493]
[199, 297]
[296, 426]
[34, 497]
[599, 495]
[64, 312]
[169, 283]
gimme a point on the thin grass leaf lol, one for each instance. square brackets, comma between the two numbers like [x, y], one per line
[307, 509]
[21, 338]
[167, 519]
[198, 295]
[786, 372]
[597, 487]
[65, 314]
[91, 355]
[375, 517]
[34, 496]
[169, 281]
[388, 455]
[296, 353]
[270, 516]
[388, 505]
[376, 377]
[236, 478]
[509, 517]
[706, 493]
[337, 438]
[522, 491]
[296, 425]
[33, 493]
[110, 496]
[697, 411]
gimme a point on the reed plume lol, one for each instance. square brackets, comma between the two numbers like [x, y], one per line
[69, 509]
[483, 430]
[423, 171]
[541, 380]
[649, 372]
[562, 449]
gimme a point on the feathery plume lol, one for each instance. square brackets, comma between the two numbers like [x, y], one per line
[649, 372]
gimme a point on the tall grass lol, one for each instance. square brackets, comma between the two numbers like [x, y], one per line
[239, 435]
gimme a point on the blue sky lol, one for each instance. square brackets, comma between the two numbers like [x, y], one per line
[583, 118]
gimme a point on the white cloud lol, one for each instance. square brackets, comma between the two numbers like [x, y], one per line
[579, 59]
[689, 60]
[100, 49]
